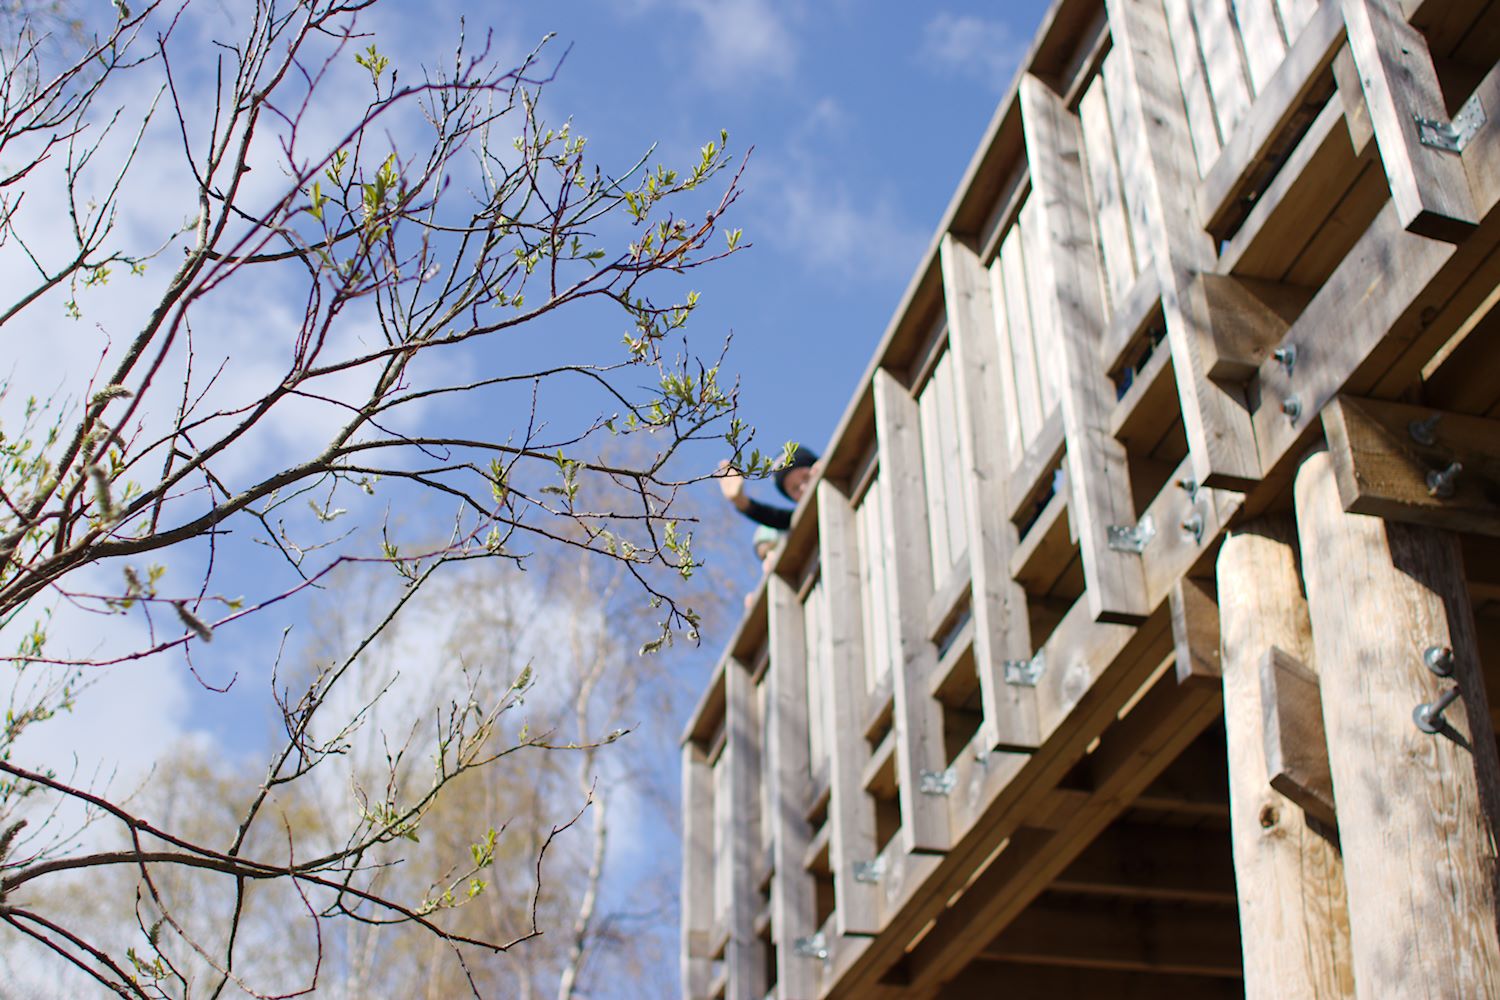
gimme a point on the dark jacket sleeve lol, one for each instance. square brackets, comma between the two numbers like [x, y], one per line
[771, 517]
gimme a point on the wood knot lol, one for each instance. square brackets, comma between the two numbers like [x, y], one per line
[1268, 816]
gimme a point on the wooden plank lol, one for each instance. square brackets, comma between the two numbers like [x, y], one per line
[1195, 631]
[875, 586]
[696, 966]
[1017, 306]
[793, 893]
[1296, 751]
[1352, 100]
[851, 814]
[1010, 401]
[1025, 981]
[1222, 61]
[1068, 268]
[1001, 631]
[1131, 937]
[918, 718]
[1246, 320]
[1032, 471]
[1416, 812]
[1125, 114]
[1148, 862]
[953, 460]
[1044, 317]
[1294, 16]
[935, 481]
[1428, 185]
[1040, 557]
[1293, 914]
[1261, 40]
[1107, 200]
[744, 957]
[1202, 125]
[1383, 470]
[1284, 98]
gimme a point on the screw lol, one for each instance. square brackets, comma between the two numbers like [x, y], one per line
[1442, 483]
[1429, 715]
[1424, 432]
[1292, 407]
[1287, 356]
[1439, 660]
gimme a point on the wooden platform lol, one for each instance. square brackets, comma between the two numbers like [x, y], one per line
[1076, 673]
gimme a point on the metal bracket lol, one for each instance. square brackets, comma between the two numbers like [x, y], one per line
[936, 782]
[813, 946]
[1452, 137]
[1131, 537]
[869, 871]
[1025, 673]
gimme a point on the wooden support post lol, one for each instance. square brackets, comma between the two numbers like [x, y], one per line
[1001, 629]
[1428, 185]
[851, 813]
[1195, 631]
[1069, 271]
[1292, 720]
[1293, 919]
[1156, 153]
[697, 871]
[1416, 811]
[918, 722]
[1246, 320]
[793, 893]
[1415, 464]
[744, 956]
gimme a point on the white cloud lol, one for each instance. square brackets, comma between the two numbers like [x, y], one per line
[982, 49]
[736, 43]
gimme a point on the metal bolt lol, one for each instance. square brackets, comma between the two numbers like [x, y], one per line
[1424, 432]
[1191, 486]
[1193, 525]
[1292, 407]
[1442, 483]
[1429, 715]
[1439, 660]
[1287, 356]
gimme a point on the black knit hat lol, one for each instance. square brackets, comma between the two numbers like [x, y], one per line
[801, 459]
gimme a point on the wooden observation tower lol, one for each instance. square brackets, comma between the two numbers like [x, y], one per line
[1135, 641]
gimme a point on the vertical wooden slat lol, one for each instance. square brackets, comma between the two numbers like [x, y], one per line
[697, 871]
[1417, 812]
[814, 630]
[1294, 16]
[953, 486]
[918, 719]
[1104, 185]
[744, 956]
[874, 585]
[1131, 153]
[1096, 462]
[1018, 331]
[1036, 241]
[934, 480]
[1153, 139]
[1001, 630]
[793, 894]
[1195, 96]
[1428, 185]
[1010, 406]
[1221, 59]
[1261, 38]
[1294, 919]
[850, 810]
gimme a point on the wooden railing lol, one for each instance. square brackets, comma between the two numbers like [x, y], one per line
[1190, 225]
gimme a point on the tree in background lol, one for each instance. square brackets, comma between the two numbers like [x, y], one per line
[313, 287]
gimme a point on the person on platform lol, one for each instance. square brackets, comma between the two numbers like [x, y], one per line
[792, 480]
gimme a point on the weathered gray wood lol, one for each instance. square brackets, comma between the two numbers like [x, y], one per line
[1001, 631]
[918, 718]
[744, 956]
[697, 872]
[1428, 185]
[1383, 470]
[851, 813]
[1417, 812]
[1260, 37]
[1293, 916]
[1196, 100]
[1012, 298]
[1195, 631]
[792, 889]
[1068, 268]
[1246, 320]
[1108, 202]
[1292, 718]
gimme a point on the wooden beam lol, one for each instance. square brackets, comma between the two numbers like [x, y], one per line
[1048, 982]
[1417, 812]
[1001, 631]
[1195, 631]
[1292, 723]
[918, 722]
[1096, 462]
[1384, 467]
[1160, 863]
[1428, 185]
[1293, 917]
[1128, 937]
[851, 813]
[793, 892]
[744, 958]
[1246, 320]
[696, 965]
